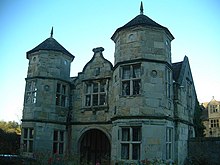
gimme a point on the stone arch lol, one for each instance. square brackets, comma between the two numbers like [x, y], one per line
[95, 146]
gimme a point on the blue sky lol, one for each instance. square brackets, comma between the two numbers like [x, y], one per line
[81, 25]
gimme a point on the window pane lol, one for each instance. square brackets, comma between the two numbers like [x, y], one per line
[135, 151]
[61, 148]
[170, 135]
[102, 86]
[30, 146]
[28, 97]
[63, 101]
[31, 133]
[61, 135]
[58, 99]
[95, 87]
[88, 88]
[95, 100]
[25, 145]
[168, 151]
[55, 135]
[58, 88]
[125, 88]
[125, 134]
[55, 148]
[34, 88]
[34, 94]
[29, 86]
[88, 100]
[136, 87]
[124, 151]
[64, 89]
[25, 132]
[136, 71]
[126, 72]
[136, 134]
[102, 99]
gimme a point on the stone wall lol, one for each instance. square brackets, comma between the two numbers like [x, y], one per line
[205, 150]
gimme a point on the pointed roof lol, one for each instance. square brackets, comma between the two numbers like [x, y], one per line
[176, 70]
[50, 44]
[179, 69]
[142, 20]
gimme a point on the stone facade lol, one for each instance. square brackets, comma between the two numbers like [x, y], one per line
[139, 108]
[211, 118]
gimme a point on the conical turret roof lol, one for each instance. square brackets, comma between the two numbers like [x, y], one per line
[142, 20]
[50, 44]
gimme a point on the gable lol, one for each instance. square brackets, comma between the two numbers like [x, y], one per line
[98, 66]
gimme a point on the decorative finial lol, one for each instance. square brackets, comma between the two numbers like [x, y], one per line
[99, 49]
[141, 8]
[51, 33]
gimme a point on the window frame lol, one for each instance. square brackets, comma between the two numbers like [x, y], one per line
[130, 144]
[31, 92]
[28, 140]
[95, 93]
[58, 142]
[62, 92]
[130, 80]
[214, 123]
[169, 143]
[168, 78]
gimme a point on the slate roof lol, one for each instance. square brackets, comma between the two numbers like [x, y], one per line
[143, 20]
[176, 70]
[50, 44]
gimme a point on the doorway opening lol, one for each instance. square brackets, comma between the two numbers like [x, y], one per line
[95, 147]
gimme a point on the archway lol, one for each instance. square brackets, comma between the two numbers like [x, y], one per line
[95, 147]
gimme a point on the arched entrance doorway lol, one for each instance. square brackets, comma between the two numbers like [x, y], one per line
[95, 147]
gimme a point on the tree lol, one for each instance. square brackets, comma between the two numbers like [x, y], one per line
[199, 127]
[9, 137]
[10, 127]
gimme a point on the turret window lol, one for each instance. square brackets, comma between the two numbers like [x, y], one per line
[28, 136]
[61, 95]
[95, 93]
[131, 79]
[168, 82]
[31, 92]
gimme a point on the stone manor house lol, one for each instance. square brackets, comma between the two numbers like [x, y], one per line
[140, 107]
[211, 118]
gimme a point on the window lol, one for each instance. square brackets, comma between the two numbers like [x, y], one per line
[214, 108]
[168, 82]
[130, 143]
[31, 92]
[61, 96]
[58, 142]
[95, 93]
[131, 79]
[28, 136]
[214, 123]
[169, 143]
